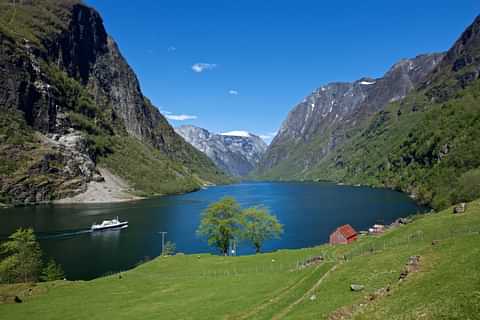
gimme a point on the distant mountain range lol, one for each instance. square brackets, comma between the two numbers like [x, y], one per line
[415, 129]
[236, 152]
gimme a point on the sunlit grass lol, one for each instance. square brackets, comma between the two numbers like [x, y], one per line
[270, 285]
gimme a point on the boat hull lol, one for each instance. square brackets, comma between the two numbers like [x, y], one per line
[115, 226]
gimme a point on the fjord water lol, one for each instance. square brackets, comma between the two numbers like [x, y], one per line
[308, 211]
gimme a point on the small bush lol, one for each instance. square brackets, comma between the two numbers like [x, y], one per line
[52, 272]
[169, 249]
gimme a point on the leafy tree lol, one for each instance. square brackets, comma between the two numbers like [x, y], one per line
[169, 248]
[259, 225]
[23, 257]
[52, 272]
[221, 223]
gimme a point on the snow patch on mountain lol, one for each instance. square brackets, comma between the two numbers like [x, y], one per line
[367, 83]
[237, 133]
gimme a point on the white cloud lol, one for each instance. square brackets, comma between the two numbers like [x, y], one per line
[172, 49]
[164, 111]
[179, 117]
[268, 137]
[176, 117]
[200, 67]
[233, 92]
[236, 133]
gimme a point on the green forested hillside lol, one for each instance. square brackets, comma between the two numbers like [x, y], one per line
[428, 149]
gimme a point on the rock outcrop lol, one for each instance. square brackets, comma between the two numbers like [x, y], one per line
[57, 166]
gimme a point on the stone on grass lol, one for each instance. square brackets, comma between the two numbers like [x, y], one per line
[356, 287]
[460, 208]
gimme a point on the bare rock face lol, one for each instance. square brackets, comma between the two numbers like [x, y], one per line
[461, 65]
[327, 117]
[62, 168]
[74, 149]
[236, 155]
[89, 55]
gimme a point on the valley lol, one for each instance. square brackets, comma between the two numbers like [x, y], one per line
[362, 204]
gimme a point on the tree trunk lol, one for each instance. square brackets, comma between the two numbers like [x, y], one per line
[225, 249]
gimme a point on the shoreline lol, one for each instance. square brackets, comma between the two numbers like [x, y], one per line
[409, 193]
[116, 190]
[188, 252]
[389, 227]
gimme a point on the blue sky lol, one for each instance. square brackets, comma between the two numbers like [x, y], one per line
[243, 65]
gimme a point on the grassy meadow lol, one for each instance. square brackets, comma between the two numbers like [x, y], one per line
[277, 286]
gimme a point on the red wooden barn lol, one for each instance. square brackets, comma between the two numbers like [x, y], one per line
[343, 235]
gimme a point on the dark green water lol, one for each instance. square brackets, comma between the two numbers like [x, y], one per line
[309, 212]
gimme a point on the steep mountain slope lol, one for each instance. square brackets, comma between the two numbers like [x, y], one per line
[335, 112]
[236, 154]
[70, 102]
[427, 143]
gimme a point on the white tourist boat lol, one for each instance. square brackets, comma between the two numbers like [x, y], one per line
[109, 224]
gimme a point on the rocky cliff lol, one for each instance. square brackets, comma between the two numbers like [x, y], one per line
[63, 79]
[237, 154]
[335, 112]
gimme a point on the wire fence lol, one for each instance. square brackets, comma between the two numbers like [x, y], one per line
[325, 254]
[410, 239]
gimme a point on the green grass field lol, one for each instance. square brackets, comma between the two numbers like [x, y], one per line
[272, 286]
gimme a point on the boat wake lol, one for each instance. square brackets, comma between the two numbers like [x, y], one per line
[62, 234]
[65, 234]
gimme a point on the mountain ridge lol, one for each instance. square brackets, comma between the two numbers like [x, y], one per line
[235, 152]
[336, 110]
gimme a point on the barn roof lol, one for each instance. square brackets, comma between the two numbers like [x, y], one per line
[346, 230]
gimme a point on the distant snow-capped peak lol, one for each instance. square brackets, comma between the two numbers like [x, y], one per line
[235, 152]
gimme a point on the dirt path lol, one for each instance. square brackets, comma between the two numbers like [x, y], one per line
[277, 297]
[307, 294]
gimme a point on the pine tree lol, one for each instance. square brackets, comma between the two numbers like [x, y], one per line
[23, 258]
[52, 272]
